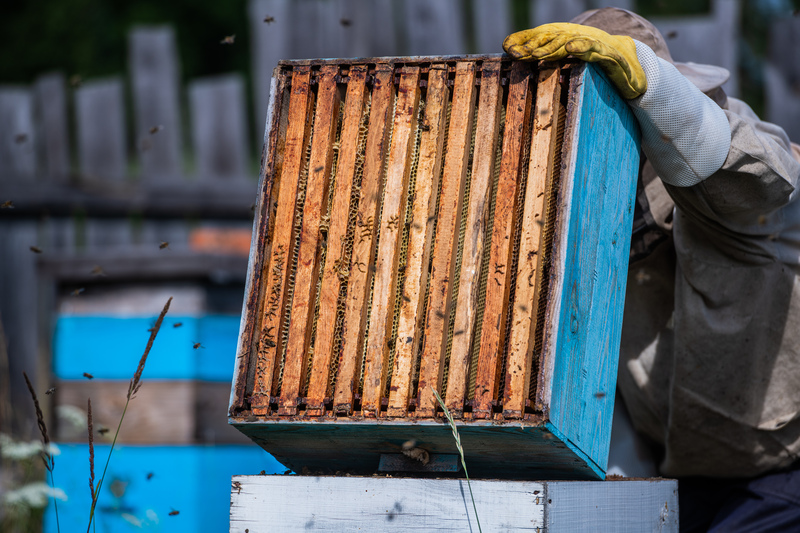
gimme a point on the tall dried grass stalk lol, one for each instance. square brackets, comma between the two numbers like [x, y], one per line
[91, 451]
[47, 456]
[457, 438]
[133, 388]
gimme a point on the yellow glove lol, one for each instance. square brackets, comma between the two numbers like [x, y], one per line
[616, 54]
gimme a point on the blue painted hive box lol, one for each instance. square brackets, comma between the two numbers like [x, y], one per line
[438, 233]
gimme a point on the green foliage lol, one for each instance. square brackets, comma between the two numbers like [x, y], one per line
[89, 37]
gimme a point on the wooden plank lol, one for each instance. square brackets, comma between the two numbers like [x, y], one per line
[445, 245]
[492, 23]
[211, 415]
[624, 505]
[148, 475]
[325, 349]
[372, 31]
[529, 269]
[229, 199]
[314, 208]
[50, 94]
[100, 117]
[390, 231]
[19, 294]
[483, 165]
[434, 28]
[361, 271]
[219, 127]
[147, 262]
[101, 233]
[258, 258]
[420, 238]
[276, 271]
[148, 423]
[404, 504]
[591, 247]
[81, 343]
[155, 86]
[373, 504]
[17, 139]
[497, 285]
[269, 43]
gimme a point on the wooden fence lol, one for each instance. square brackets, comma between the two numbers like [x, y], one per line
[106, 170]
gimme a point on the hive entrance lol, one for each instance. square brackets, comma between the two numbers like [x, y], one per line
[410, 221]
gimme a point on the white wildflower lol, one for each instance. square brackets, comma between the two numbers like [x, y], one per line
[74, 416]
[19, 451]
[33, 495]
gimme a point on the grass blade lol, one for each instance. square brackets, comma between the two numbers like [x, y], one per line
[133, 388]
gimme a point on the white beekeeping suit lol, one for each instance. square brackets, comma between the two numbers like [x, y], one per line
[710, 352]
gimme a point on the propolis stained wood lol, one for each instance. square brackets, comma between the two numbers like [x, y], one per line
[451, 223]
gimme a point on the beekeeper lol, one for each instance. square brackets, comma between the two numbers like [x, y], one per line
[710, 354]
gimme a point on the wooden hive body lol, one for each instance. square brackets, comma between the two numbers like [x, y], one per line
[451, 223]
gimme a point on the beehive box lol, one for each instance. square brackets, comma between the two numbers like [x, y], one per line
[451, 223]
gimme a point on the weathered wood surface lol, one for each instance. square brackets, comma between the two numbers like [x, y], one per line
[51, 105]
[580, 360]
[212, 199]
[219, 127]
[307, 273]
[476, 227]
[250, 328]
[513, 450]
[362, 259]
[403, 504]
[392, 220]
[524, 310]
[276, 269]
[211, 415]
[492, 23]
[155, 88]
[325, 347]
[17, 140]
[100, 117]
[420, 238]
[497, 286]
[434, 28]
[137, 261]
[443, 261]
[148, 423]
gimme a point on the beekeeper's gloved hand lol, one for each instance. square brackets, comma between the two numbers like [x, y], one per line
[615, 54]
[685, 135]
